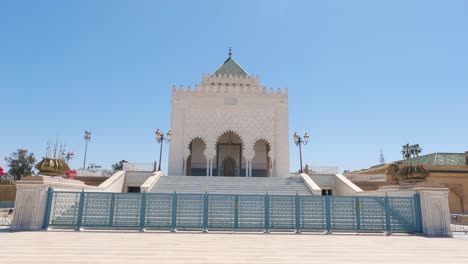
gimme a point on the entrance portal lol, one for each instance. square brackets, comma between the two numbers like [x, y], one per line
[229, 155]
[229, 167]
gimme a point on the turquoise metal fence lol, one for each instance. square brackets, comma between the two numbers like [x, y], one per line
[181, 211]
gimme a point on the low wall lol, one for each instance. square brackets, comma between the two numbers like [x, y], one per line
[7, 192]
[115, 183]
[345, 187]
[91, 180]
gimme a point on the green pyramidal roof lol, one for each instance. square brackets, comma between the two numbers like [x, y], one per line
[229, 67]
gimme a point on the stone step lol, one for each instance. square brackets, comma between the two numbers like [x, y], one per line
[231, 185]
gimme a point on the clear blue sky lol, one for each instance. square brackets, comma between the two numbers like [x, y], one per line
[363, 76]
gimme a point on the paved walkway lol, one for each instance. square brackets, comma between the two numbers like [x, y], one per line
[112, 247]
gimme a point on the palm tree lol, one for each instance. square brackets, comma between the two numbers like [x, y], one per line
[406, 152]
[415, 150]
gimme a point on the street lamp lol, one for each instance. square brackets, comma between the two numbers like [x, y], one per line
[161, 138]
[299, 141]
[87, 137]
[69, 156]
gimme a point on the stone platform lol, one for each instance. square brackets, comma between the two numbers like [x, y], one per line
[113, 247]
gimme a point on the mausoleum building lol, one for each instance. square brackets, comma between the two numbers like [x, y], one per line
[229, 125]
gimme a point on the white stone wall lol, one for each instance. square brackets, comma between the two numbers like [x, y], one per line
[249, 111]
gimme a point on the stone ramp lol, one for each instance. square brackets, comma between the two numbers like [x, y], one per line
[231, 185]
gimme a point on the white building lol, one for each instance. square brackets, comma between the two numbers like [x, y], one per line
[229, 125]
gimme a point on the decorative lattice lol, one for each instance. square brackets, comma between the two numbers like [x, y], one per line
[251, 212]
[313, 212]
[402, 214]
[371, 213]
[64, 209]
[343, 213]
[233, 212]
[98, 209]
[158, 210]
[282, 212]
[190, 211]
[221, 211]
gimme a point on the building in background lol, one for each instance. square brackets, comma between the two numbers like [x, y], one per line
[447, 169]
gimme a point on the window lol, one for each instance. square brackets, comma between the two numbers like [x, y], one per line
[326, 192]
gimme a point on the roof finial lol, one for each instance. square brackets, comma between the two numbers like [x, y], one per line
[230, 52]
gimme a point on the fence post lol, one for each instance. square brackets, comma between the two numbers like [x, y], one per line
[358, 214]
[267, 213]
[298, 214]
[205, 212]
[174, 212]
[328, 214]
[417, 211]
[143, 211]
[80, 211]
[388, 225]
[48, 208]
[111, 216]
[236, 211]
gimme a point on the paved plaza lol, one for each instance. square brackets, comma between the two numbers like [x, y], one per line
[152, 247]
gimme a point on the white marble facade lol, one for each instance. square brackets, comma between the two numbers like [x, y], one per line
[229, 125]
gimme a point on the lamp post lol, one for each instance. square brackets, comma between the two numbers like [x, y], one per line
[161, 138]
[299, 141]
[69, 156]
[87, 137]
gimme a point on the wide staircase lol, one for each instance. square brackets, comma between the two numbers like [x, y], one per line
[231, 185]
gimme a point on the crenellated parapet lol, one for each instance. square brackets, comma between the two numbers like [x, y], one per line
[222, 88]
[230, 80]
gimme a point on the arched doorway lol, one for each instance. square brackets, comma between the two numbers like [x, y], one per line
[229, 149]
[261, 162]
[229, 167]
[196, 161]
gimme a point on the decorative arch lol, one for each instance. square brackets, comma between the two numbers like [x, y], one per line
[196, 161]
[231, 132]
[229, 146]
[261, 161]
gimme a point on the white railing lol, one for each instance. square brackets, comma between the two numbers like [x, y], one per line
[322, 170]
[139, 166]
[366, 177]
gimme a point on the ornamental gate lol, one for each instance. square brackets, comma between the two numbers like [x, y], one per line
[180, 211]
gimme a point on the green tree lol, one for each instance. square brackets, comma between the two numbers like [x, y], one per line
[406, 151]
[118, 165]
[415, 150]
[21, 163]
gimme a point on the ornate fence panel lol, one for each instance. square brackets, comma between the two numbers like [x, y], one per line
[313, 213]
[371, 212]
[459, 222]
[403, 214]
[190, 211]
[343, 213]
[282, 212]
[158, 210]
[98, 210]
[251, 212]
[6, 213]
[221, 211]
[232, 212]
[126, 209]
[64, 207]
